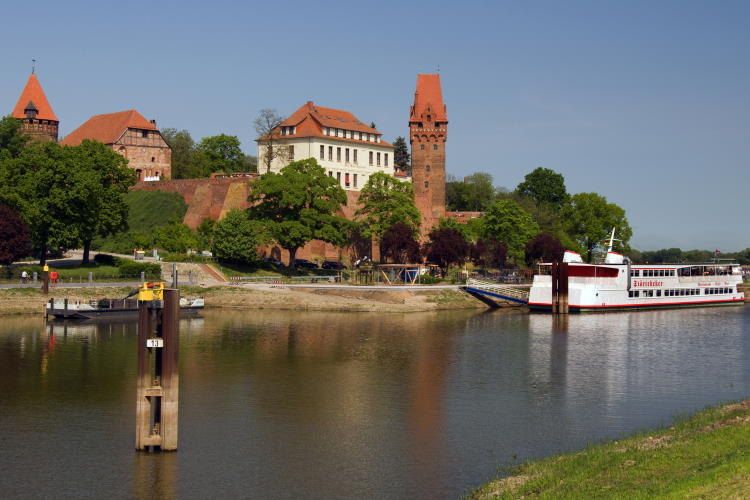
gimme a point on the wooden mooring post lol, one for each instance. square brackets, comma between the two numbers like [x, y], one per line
[158, 378]
[559, 288]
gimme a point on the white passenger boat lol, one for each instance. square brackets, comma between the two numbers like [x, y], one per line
[615, 284]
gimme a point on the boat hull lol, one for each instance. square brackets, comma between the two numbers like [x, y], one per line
[537, 307]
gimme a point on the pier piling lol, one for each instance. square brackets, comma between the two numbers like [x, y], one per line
[157, 378]
[559, 288]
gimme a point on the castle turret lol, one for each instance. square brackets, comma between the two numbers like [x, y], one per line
[428, 128]
[36, 115]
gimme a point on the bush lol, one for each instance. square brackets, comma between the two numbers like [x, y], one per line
[103, 259]
[427, 279]
[132, 268]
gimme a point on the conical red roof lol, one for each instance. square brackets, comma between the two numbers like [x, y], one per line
[33, 92]
[428, 92]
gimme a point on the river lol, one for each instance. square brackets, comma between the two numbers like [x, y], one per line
[279, 404]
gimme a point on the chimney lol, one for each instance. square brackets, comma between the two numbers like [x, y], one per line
[153, 122]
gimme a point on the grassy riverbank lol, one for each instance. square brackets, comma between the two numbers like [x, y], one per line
[31, 300]
[703, 456]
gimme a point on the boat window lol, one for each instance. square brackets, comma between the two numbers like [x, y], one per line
[658, 293]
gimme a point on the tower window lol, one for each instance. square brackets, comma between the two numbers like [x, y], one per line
[421, 147]
[434, 147]
[153, 159]
[426, 184]
[427, 168]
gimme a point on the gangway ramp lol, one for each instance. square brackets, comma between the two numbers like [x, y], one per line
[490, 291]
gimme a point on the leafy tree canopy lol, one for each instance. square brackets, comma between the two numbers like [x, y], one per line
[489, 252]
[174, 237]
[590, 218]
[474, 194]
[544, 186]
[221, 153]
[183, 152]
[236, 238]
[398, 244]
[506, 221]
[446, 247]
[545, 248]
[12, 140]
[15, 241]
[51, 187]
[105, 211]
[384, 202]
[299, 205]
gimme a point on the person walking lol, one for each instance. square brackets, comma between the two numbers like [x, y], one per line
[24, 277]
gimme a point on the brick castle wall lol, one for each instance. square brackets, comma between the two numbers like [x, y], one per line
[213, 198]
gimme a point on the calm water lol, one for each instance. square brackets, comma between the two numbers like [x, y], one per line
[351, 405]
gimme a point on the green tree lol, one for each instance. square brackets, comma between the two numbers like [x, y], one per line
[174, 237]
[299, 205]
[46, 185]
[385, 201]
[590, 219]
[401, 156]
[508, 222]
[12, 140]
[206, 234]
[183, 152]
[108, 179]
[220, 153]
[544, 186]
[15, 241]
[237, 238]
[474, 194]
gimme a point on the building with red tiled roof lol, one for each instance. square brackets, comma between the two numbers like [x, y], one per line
[134, 137]
[347, 148]
[428, 131]
[36, 115]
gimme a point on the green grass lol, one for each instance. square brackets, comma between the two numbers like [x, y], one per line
[704, 456]
[75, 274]
[146, 211]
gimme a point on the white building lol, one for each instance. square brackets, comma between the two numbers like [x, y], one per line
[348, 149]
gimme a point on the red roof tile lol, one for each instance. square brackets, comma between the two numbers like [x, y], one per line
[33, 92]
[428, 92]
[310, 121]
[108, 128]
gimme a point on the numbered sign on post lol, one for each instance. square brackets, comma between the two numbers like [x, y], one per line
[155, 342]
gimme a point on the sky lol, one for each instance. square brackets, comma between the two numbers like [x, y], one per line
[643, 102]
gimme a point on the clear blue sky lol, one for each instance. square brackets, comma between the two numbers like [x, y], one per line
[644, 102]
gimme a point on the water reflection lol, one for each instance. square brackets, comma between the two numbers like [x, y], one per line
[322, 405]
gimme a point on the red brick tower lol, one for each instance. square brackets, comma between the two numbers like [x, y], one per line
[36, 115]
[428, 129]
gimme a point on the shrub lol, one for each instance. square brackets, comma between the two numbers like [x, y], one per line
[105, 260]
[131, 268]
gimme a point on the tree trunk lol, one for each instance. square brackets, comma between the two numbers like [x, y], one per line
[43, 256]
[86, 250]
[292, 256]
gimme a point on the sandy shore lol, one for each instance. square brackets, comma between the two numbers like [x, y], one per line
[31, 301]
